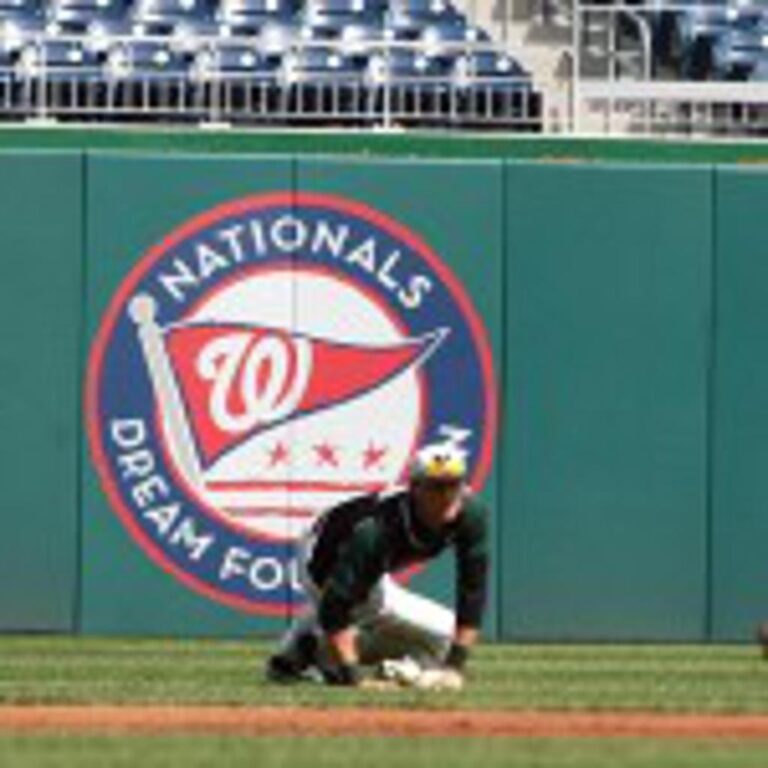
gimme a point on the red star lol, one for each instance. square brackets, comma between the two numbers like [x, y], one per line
[326, 454]
[278, 454]
[372, 456]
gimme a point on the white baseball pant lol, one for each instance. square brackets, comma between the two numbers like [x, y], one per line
[393, 621]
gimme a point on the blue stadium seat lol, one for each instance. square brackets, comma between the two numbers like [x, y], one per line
[494, 86]
[77, 16]
[364, 37]
[759, 72]
[278, 37]
[447, 40]
[316, 62]
[488, 64]
[153, 59]
[20, 21]
[63, 75]
[413, 87]
[684, 36]
[322, 81]
[735, 51]
[329, 18]
[150, 76]
[455, 31]
[22, 10]
[61, 58]
[7, 58]
[236, 77]
[238, 57]
[248, 17]
[409, 18]
[405, 65]
[164, 17]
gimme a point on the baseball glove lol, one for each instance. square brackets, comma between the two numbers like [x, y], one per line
[440, 680]
[408, 673]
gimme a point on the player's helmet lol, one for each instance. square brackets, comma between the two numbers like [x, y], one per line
[441, 462]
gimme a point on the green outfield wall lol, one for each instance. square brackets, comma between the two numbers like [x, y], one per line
[41, 198]
[610, 320]
[607, 303]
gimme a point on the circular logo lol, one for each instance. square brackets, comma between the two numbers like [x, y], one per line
[268, 359]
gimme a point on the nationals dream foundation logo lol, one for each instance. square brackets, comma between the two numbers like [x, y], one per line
[268, 359]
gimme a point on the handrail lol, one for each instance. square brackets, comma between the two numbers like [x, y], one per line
[99, 85]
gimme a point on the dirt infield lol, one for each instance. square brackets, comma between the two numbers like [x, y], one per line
[372, 722]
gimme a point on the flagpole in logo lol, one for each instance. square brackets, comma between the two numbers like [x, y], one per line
[143, 311]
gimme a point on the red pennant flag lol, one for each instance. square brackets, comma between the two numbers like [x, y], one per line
[237, 381]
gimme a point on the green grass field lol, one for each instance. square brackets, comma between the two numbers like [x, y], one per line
[632, 677]
[598, 678]
[230, 752]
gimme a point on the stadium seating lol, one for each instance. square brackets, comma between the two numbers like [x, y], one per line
[19, 20]
[164, 17]
[250, 17]
[73, 74]
[736, 51]
[79, 16]
[147, 76]
[361, 62]
[329, 18]
[711, 39]
[408, 18]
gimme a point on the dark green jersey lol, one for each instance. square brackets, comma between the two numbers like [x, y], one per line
[362, 539]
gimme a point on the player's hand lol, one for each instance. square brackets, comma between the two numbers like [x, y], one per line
[342, 675]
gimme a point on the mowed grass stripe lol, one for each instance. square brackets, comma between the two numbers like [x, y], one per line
[118, 670]
[270, 752]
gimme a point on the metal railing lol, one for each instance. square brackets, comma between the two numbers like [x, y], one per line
[654, 96]
[651, 67]
[32, 86]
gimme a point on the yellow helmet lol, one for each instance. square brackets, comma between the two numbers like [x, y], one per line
[442, 462]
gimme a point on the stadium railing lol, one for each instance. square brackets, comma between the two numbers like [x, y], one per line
[191, 63]
[666, 68]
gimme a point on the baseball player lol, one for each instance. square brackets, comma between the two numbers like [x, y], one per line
[359, 613]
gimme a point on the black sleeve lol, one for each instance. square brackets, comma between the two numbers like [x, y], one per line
[336, 526]
[357, 568]
[472, 568]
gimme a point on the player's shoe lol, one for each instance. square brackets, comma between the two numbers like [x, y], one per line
[298, 665]
[282, 669]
